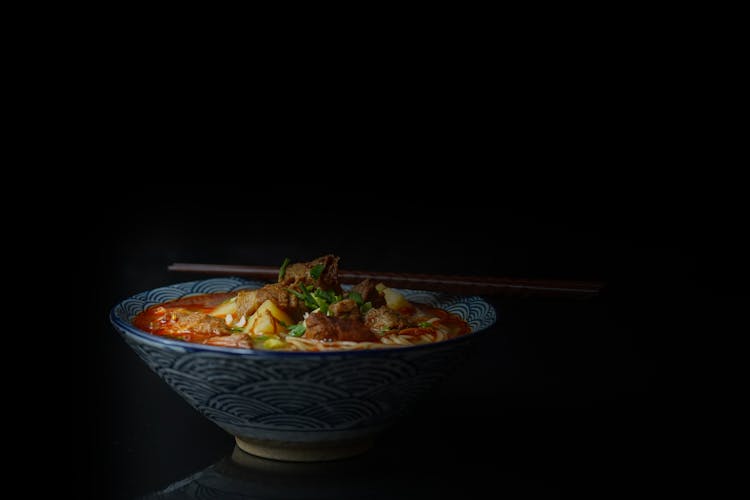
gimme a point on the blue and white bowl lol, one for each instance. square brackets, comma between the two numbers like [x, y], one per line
[301, 406]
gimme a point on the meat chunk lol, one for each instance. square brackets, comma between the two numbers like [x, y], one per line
[383, 319]
[366, 289]
[327, 280]
[322, 327]
[199, 322]
[248, 301]
[346, 308]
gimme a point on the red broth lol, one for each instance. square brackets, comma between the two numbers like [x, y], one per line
[160, 320]
[156, 319]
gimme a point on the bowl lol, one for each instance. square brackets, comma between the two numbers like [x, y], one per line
[298, 406]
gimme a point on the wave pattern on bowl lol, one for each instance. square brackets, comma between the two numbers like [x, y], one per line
[273, 395]
[267, 395]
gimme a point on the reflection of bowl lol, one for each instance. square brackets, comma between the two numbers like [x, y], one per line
[300, 406]
[241, 475]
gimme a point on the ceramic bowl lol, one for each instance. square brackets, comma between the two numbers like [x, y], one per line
[298, 406]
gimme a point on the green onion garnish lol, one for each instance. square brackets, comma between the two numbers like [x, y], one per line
[308, 298]
[282, 269]
[316, 271]
[298, 330]
[329, 297]
[322, 304]
[356, 297]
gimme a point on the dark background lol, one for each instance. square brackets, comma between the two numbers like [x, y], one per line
[563, 398]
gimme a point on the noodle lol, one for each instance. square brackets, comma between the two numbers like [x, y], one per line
[307, 310]
[302, 344]
[392, 340]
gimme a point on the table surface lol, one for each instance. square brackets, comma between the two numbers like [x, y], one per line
[556, 400]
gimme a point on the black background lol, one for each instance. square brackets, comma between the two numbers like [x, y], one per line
[563, 398]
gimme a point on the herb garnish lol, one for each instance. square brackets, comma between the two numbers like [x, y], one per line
[316, 271]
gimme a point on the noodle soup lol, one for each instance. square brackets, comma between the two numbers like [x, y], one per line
[306, 310]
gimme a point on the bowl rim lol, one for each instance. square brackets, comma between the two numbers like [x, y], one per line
[125, 327]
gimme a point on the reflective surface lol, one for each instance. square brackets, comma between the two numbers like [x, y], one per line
[557, 400]
[373, 475]
[551, 389]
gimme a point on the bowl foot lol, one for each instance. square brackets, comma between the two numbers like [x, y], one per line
[304, 452]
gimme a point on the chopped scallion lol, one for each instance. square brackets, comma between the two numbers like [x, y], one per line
[356, 297]
[316, 271]
[298, 330]
[322, 304]
[306, 297]
[329, 297]
[282, 269]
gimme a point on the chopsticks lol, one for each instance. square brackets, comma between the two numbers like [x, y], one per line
[461, 285]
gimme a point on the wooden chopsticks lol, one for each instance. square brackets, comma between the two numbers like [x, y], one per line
[461, 285]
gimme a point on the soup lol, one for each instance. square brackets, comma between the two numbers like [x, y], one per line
[306, 310]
